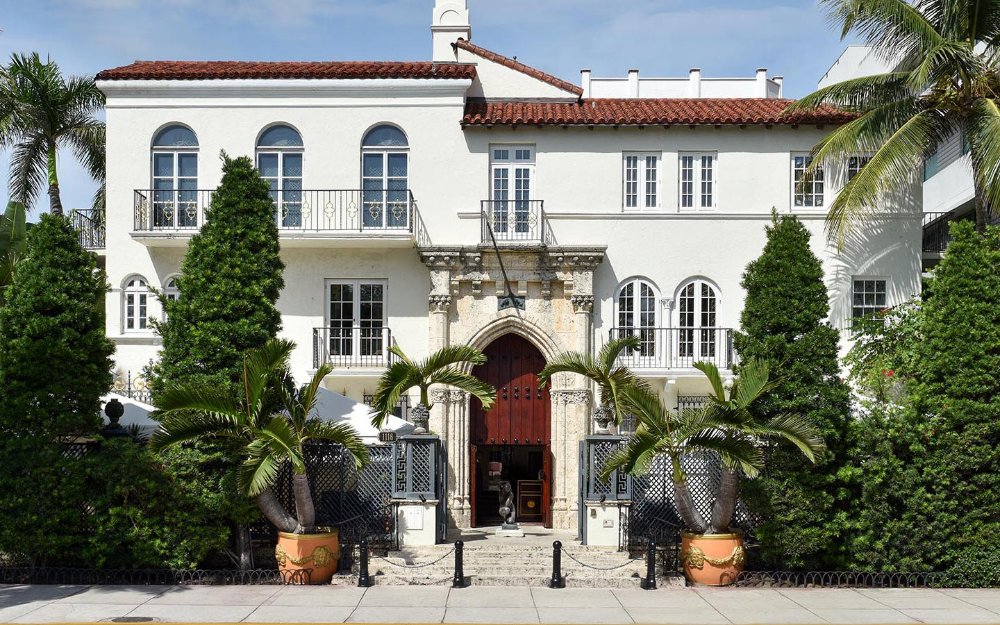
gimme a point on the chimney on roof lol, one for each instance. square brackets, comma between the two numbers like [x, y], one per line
[761, 82]
[450, 23]
[780, 81]
[585, 82]
[633, 83]
[694, 83]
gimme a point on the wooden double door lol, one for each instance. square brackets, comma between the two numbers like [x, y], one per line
[512, 440]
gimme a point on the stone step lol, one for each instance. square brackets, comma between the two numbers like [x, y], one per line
[539, 581]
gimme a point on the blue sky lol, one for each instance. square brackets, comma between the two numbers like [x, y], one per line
[659, 37]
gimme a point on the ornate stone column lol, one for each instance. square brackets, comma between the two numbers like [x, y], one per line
[570, 413]
[453, 405]
[583, 312]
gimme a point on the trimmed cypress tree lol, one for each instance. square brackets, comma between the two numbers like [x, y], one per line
[229, 285]
[802, 506]
[230, 281]
[55, 364]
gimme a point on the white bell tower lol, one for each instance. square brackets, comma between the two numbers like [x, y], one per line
[450, 23]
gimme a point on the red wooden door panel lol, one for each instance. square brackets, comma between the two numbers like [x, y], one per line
[521, 412]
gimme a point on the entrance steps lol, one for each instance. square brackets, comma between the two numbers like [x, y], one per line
[509, 562]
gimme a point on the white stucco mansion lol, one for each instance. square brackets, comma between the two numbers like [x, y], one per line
[617, 203]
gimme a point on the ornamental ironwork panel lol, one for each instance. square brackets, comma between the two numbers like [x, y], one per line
[416, 467]
[597, 453]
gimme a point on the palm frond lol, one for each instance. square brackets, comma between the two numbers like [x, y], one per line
[282, 440]
[450, 356]
[87, 142]
[572, 362]
[737, 453]
[650, 413]
[262, 366]
[466, 382]
[796, 429]
[607, 359]
[199, 398]
[753, 382]
[893, 27]
[259, 471]
[28, 167]
[187, 426]
[341, 433]
[860, 94]
[635, 457]
[714, 378]
[984, 145]
[401, 376]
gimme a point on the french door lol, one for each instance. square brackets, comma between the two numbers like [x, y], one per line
[175, 194]
[698, 334]
[385, 192]
[637, 316]
[283, 172]
[357, 334]
[512, 178]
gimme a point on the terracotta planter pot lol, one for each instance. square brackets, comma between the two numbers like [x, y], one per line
[712, 559]
[318, 552]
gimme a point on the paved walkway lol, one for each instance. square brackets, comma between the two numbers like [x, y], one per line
[479, 604]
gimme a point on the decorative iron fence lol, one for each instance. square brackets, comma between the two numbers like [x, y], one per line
[352, 347]
[90, 224]
[837, 579]
[677, 348]
[619, 486]
[133, 387]
[374, 211]
[146, 577]
[515, 221]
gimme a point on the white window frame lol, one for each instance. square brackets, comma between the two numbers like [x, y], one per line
[181, 203]
[649, 346]
[820, 178]
[170, 292]
[357, 353]
[869, 309]
[698, 181]
[854, 164]
[642, 189]
[514, 163]
[284, 219]
[384, 204]
[135, 301]
[704, 341]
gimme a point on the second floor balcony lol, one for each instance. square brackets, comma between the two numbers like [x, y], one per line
[347, 346]
[512, 222]
[171, 216]
[675, 349]
[89, 224]
[937, 228]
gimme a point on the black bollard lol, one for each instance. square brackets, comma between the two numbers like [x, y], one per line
[557, 580]
[649, 583]
[459, 579]
[364, 580]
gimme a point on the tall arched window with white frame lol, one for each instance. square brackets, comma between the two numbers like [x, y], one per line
[175, 178]
[636, 314]
[171, 293]
[135, 304]
[698, 336]
[385, 171]
[279, 160]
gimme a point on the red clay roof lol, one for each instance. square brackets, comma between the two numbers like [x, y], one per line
[518, 66]
[205, 70]
[640, 112]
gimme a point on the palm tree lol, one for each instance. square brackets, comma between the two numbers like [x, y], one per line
[604, 370]
[725, 425]
[12, 243]
[270, 419]
[41, 111]
[438, 368]
[946, 80]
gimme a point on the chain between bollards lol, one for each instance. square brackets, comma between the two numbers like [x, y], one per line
[364, 580]
[459, 580]
[649, 583]
[557, 580]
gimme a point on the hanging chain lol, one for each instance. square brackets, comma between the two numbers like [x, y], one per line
[414, 566]
[630, 561]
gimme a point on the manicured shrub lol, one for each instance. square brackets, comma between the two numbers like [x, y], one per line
[803, 506]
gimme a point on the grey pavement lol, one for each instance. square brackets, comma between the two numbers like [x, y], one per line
[482, 604]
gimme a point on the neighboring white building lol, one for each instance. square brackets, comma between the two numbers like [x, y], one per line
[632, 203]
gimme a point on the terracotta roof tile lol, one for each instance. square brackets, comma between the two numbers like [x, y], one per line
[638, 112]
[206, 70]
[518, 66]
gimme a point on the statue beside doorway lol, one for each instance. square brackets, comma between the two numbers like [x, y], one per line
[508, 512]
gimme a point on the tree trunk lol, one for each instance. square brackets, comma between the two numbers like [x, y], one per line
[55, 202]
[275, 513]
[725, 502]
[243, 547]
[304, 509]
[686, 508]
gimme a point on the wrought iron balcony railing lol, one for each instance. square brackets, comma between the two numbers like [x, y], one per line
[677, 348]
[322, 211]
[937, 234]
[352, 347]
[90, 224]
[515, 221]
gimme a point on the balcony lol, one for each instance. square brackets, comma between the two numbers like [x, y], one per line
[671, 349]
[937, 235]
[170, 217]
[515, 222]
[352, 347]
[90, 224]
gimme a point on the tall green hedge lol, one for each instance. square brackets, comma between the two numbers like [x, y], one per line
[929, 465]
[783, 322]
[55, 364]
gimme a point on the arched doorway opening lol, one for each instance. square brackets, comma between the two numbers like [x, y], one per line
[512, 440]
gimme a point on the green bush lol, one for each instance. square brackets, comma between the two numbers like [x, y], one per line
[803, 507]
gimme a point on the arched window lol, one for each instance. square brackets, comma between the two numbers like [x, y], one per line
[135, 302]
[698, 334]
[175, 178]
[636, 314]
[385, 178]
[279, 159]
[171, 293]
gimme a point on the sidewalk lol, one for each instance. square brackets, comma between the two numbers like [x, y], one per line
[480, 604]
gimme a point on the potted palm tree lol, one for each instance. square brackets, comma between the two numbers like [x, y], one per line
[711, 552]
[438, 368]
[272, 421]
[606, 372]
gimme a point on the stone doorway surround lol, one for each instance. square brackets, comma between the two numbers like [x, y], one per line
[466, 283]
